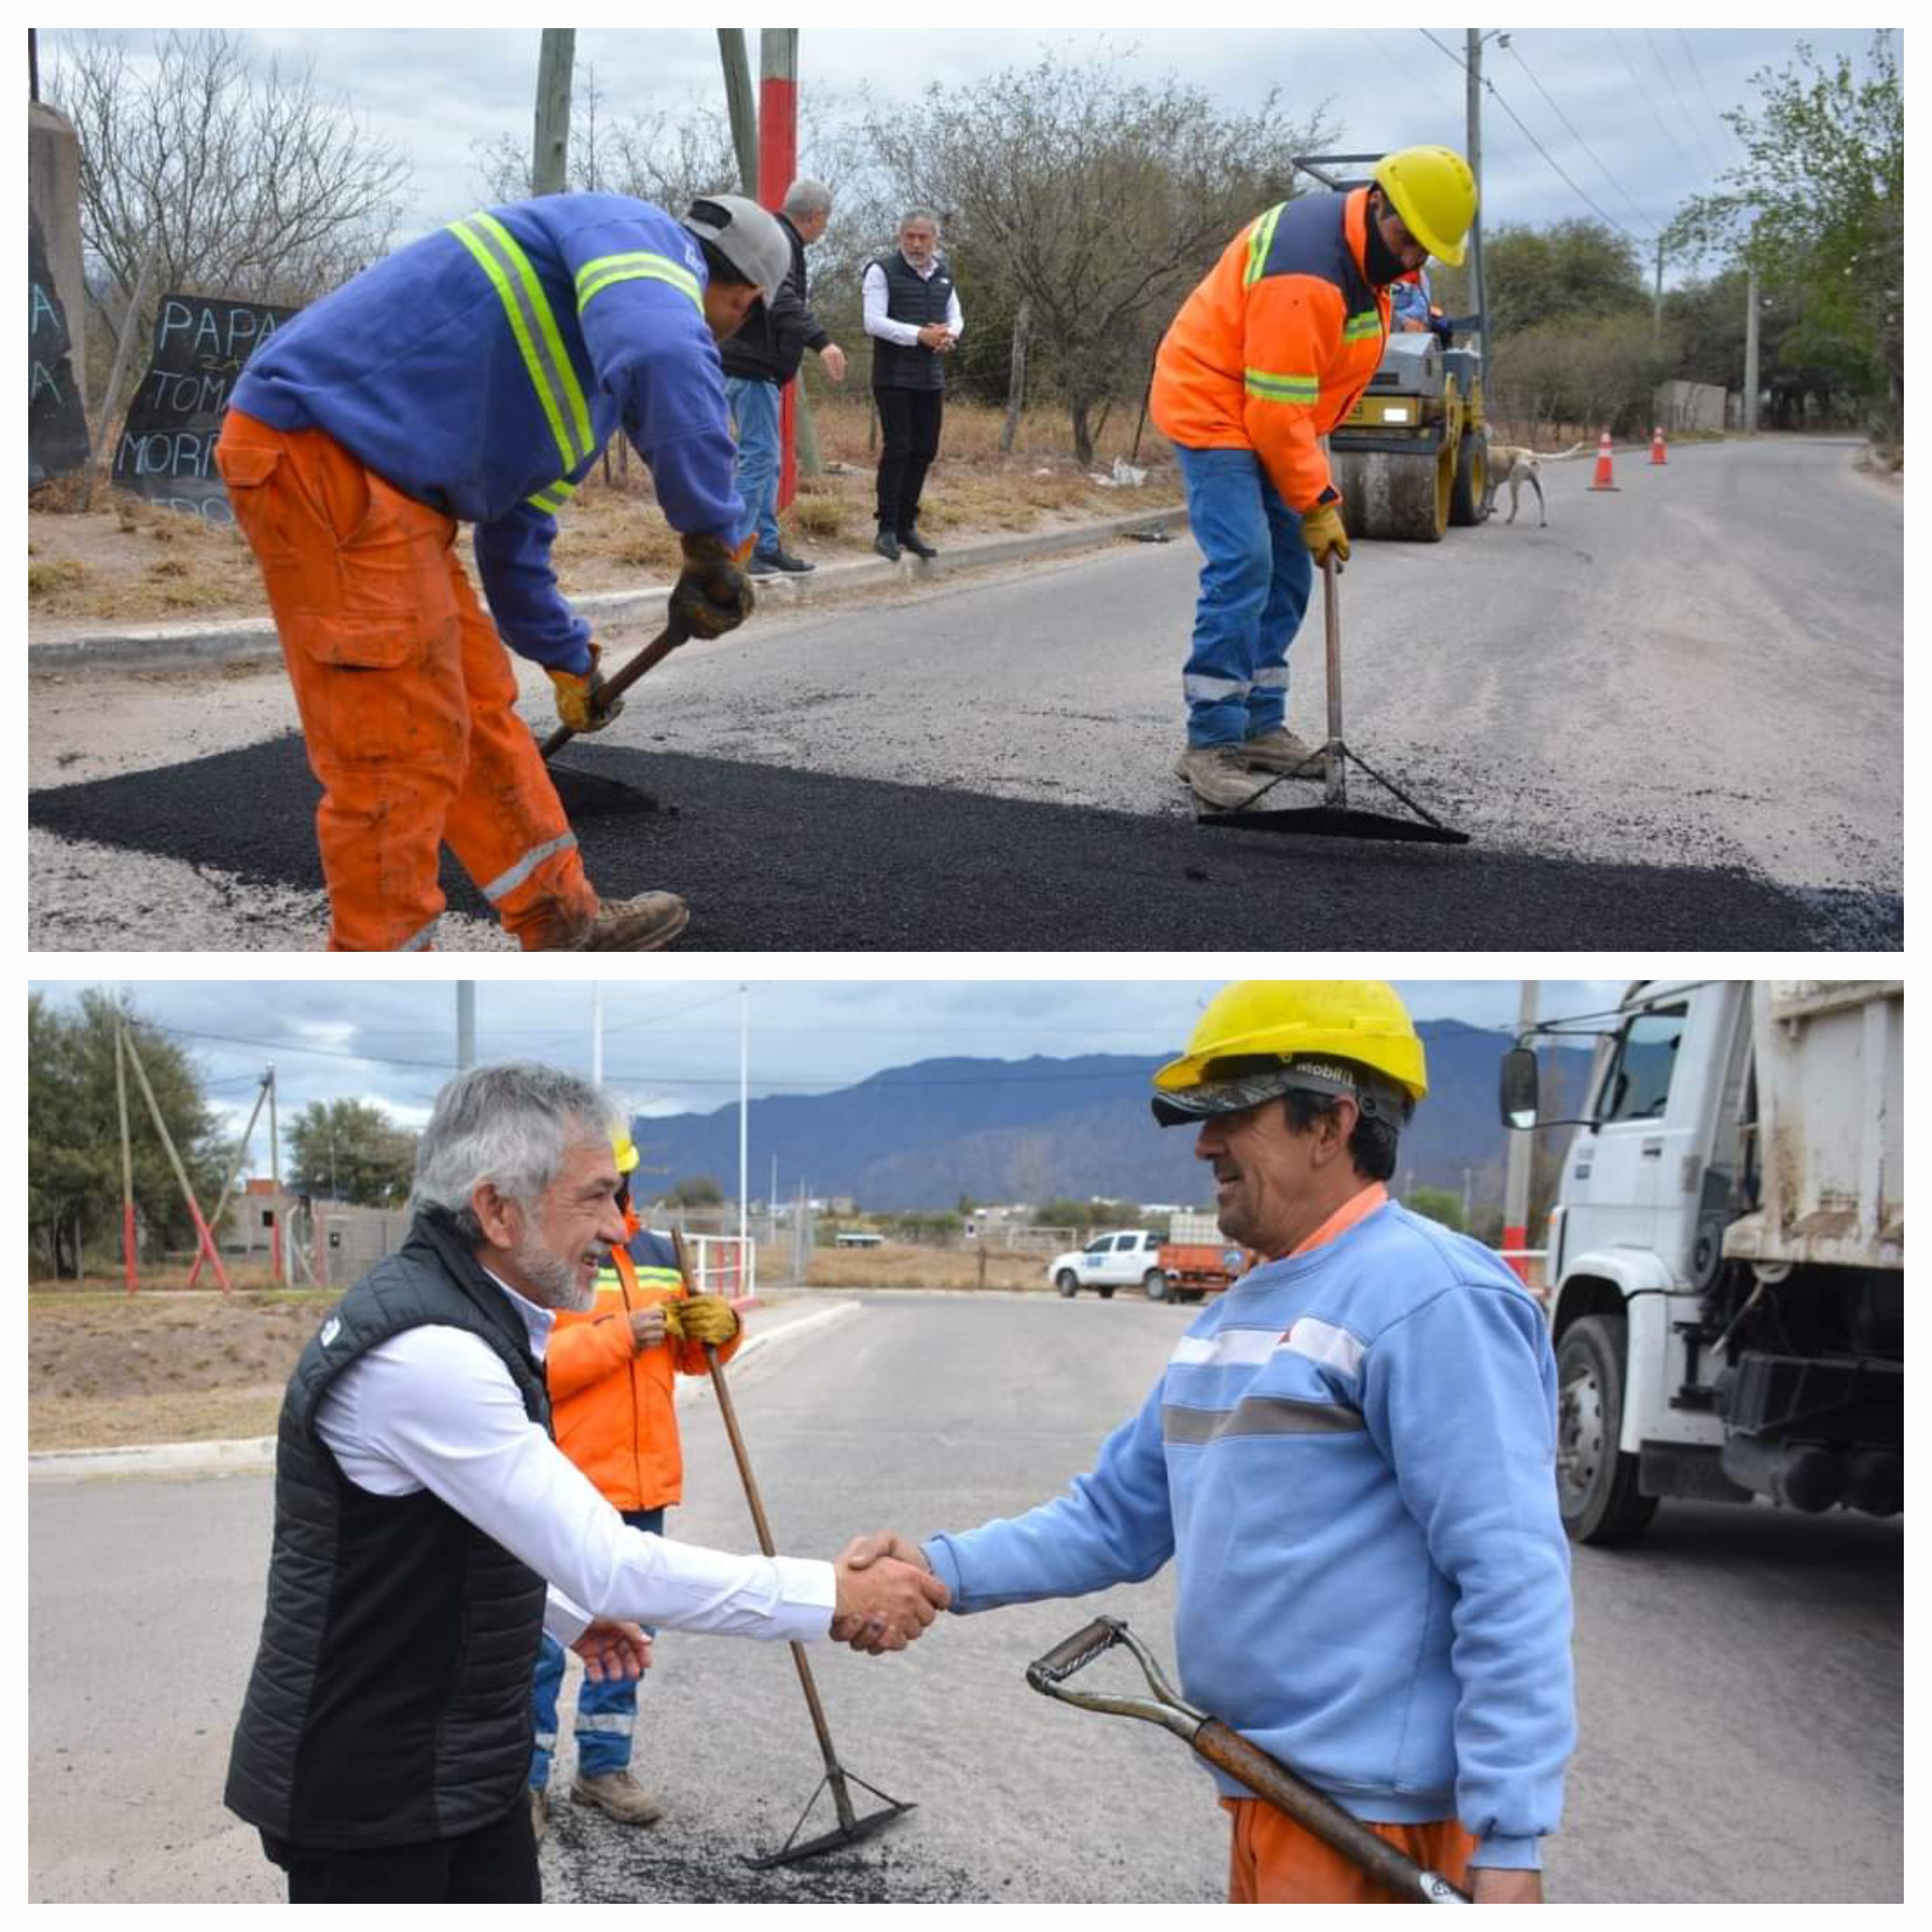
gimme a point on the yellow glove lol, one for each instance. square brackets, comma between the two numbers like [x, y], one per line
[707, 1318]
[580, 697]
[1322, 532]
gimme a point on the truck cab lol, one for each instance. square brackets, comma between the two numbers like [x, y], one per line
[1125, 1258]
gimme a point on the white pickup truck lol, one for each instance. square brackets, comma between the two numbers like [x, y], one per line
[1129, 1259]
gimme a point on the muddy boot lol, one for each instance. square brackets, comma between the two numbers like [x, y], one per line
[1219, 777]
[1281, 751]
[640, 924]
[618, 1794]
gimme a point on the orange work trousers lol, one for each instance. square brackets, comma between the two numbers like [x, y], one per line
[407, 698]
[1273, 1860]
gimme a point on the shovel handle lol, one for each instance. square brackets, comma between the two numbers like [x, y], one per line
[667, 641]
[1336, 776]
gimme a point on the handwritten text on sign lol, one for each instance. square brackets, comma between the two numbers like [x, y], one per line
[166, 450]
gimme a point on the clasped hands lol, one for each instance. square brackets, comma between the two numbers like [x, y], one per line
[887, 1593]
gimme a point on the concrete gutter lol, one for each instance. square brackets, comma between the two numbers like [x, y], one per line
[192, 645]
[255, 1455]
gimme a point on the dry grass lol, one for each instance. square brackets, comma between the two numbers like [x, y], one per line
[902, 1265]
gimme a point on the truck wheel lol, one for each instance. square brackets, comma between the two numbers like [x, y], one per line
[1105, 1290]
[1155, 1281]
[1596, 1482]
[1068, 1283]
[1471, 487]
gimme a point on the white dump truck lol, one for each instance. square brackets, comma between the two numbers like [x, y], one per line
[1727, 1250]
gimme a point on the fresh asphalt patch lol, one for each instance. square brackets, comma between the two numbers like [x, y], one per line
[777, 860]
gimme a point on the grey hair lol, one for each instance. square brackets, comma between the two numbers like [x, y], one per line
[508, 1126]
[925, 214]
[806, 198]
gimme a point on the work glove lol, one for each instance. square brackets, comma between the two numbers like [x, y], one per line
[1321, 531]
[580, 697]
[707, 1318]
[712, 595]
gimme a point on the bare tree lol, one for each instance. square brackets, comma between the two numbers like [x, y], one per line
[248, 181]
[1102, 201]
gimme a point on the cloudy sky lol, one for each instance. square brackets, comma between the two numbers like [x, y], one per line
[1630, 115]
[671, 1047]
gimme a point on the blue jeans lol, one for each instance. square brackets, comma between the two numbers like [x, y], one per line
[1255, 583]
[607, 1713]
[754, 415]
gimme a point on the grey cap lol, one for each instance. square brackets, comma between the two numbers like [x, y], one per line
[1248, 1083]
[748, 238]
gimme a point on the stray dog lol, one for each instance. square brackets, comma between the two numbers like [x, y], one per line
[1510, 464]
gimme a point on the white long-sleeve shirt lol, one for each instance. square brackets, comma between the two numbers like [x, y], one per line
[877, 298]
[435, 1409]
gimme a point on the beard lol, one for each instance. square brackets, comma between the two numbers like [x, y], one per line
[552, 1278]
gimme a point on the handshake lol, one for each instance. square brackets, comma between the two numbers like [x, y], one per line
[886, 1593]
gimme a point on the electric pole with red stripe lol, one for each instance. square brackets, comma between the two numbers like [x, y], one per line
[777, 165]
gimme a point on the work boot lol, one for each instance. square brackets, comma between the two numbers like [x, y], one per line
[887, 545]
[911, 540]
[1219, 777]
[783, 559]
[640, 924]
[618, 1795]
[539, 1813]
[1281, 751]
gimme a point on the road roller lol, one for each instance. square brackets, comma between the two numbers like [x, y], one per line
[1411, 458]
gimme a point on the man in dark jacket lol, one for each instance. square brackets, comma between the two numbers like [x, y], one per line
[428, 1531]
[759, 360]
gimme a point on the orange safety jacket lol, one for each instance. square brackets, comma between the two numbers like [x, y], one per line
[1272, 350]
[612, 1406]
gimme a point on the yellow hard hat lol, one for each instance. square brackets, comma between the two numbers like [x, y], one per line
[1259, 1037]
[1435, 193]
[625, 1150]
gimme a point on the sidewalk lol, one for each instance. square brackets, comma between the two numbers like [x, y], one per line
[196, 642]
[255, 1456]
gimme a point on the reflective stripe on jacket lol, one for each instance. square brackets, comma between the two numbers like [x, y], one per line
[613, 1407]
[1272, 349]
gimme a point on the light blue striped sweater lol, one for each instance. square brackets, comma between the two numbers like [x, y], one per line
[1350, 1458]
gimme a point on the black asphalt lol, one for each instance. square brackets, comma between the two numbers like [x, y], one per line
[776, 860]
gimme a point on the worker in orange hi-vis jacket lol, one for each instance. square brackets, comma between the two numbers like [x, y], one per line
[611, 1371]
[1266, 355]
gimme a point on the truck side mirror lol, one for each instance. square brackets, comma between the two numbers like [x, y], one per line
[1518, 1086]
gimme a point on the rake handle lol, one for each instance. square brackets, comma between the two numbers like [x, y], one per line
[1336, 788]
[667, 641]
[834, 1772]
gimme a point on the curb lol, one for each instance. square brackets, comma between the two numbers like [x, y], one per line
[191, 645]
[255, 1455]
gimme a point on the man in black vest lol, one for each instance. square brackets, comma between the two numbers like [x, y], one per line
[759, 360]
[421, 1504]
[912, 314]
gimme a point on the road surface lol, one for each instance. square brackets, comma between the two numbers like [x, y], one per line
[1740, 1673]
[1673, 718]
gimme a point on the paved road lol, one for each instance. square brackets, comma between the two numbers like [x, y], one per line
[1741, 1674]
[1671, 718]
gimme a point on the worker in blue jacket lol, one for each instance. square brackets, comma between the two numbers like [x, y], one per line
[1350, 1460]
[475, 376]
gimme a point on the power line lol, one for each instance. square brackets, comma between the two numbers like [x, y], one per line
[1578, 138]
[1690, 119]
[1394, 53]
[1636, 82]
[1697, 73]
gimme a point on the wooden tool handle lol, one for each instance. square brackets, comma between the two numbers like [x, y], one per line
[655, 653]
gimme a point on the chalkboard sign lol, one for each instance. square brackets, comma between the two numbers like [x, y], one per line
[56, 424]
[167, 450]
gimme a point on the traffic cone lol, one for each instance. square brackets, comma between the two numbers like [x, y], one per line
[1601, 480]
[1656, 444]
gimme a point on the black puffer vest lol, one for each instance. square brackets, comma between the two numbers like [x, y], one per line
[390, 1702]
[919, 300]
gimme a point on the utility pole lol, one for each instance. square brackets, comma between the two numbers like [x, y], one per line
[204, 1235]
[1473, 61]
[778, 168]
[466, 1025]
[1469, 1191]
[1522, 1150]
[127, 1154]
[1656, 300]
[1751, 351]
[284, 1273]
[550, 153]
[738, 102]
[234, 1170]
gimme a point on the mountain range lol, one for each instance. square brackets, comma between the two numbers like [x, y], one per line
[920, 1136]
